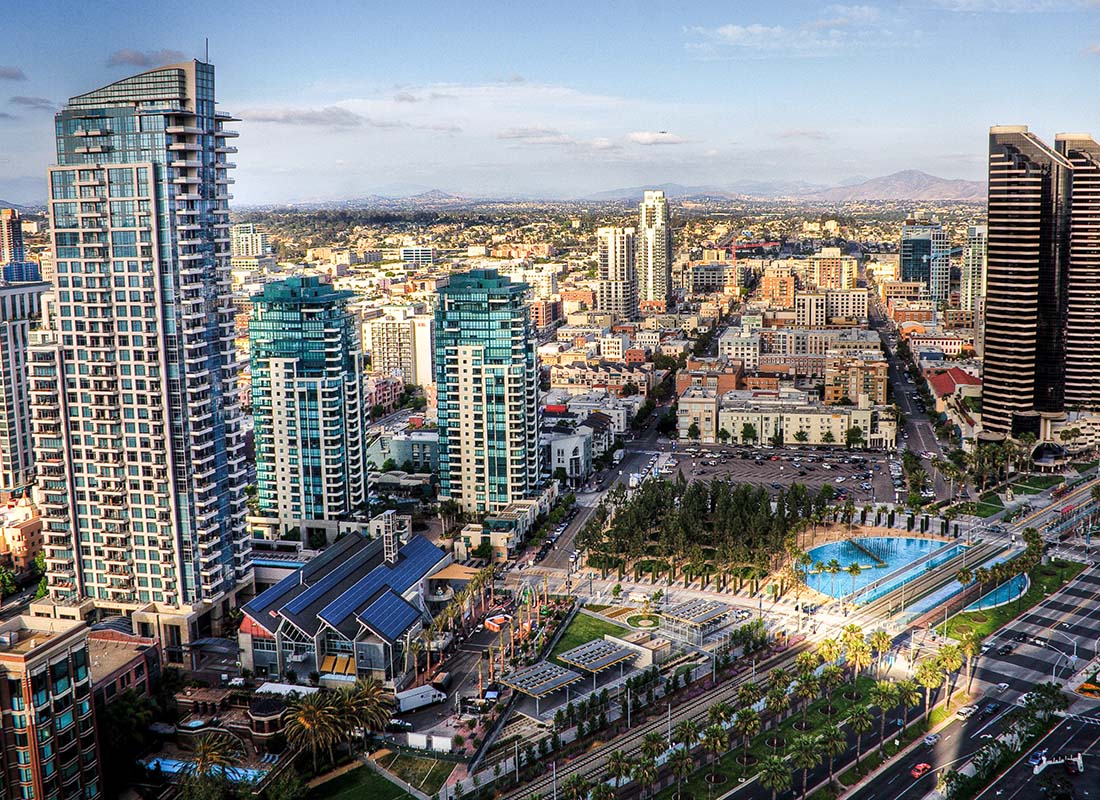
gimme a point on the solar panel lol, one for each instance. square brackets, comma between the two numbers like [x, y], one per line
[415, 558]
[327, 582]
[269, 597]
[541, 679]
[597, 655]
[390, 615]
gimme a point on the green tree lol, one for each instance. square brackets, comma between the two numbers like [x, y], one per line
[801, 436]
[619, 767]
[774, 775]
[833, 743]
[653, 744]
[368, 704]
[314, 722]
[746, 725]
[693, 431]
[950, 660]
[828, 438]
[8, 584]
[853, 437]
[645, 774]
[805, 755]
[860, 721]
[575, 787]
[686, 732]
[714, 742]
[748, 432]
[884, 696]
[723, 435]
[928, 675]
[681, 765]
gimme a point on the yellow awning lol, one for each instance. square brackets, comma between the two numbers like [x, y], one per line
[328, 663]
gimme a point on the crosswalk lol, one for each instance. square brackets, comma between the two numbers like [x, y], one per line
[1050, 641]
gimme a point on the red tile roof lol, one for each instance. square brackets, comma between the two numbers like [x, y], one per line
[945, 383]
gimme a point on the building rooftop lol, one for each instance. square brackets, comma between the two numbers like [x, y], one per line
[697, 612]
[22, 635]
[111, 653]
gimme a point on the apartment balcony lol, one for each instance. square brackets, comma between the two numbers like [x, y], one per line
[92, 132]
[178, 130]
[225, 133]
[177, 147]
[185, 163]
[92, 148]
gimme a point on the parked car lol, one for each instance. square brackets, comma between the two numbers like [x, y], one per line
[966, 712]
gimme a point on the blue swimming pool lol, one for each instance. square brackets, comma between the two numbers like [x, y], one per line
[172, 766]
[882, 560]
[1005, 593]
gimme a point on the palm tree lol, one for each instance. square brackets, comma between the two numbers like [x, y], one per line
[829, 650]
[714, 742]
[851, 635]
[313, 722]
[950, 661]
[833, 568]
[619, 767]
[749, 694]
[805, 755]
[776, 703]
[213, 753]
[653, 744]
[686, 733]
[860, 721]
[719, 713]
[368, 704]
[854, 570]
[774, 775]
[601, 791]
[645, 774]
[908, 694]
[778, 680]
[859, 658]
[928, 676]
[971, 647]
[831, 677]
[575, 787]
[833, 743]
[883, 695]
[806, 691]
[881, 642]
[681, 764]
[746, 725]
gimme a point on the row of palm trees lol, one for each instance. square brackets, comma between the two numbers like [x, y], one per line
[450, 618]
[320, 721]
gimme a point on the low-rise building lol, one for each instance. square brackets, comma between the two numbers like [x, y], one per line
[609, 376]
[20, 535]
[122, 661]
[849, 378]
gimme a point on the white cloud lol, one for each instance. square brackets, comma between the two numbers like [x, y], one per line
[803, 133]
[839, 27]
[655, 137]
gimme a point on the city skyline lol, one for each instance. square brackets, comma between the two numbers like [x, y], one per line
[726, 95]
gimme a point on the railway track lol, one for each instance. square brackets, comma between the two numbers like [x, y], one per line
[591, 765]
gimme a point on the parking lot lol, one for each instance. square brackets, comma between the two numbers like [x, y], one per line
[862, 476]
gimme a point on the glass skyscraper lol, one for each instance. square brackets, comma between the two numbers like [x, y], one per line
[925, 254]
[138, 429]
[487, 384]
[308, 404]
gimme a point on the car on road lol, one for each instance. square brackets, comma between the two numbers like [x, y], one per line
[1002, 687]
[1005, 649]
[1020, 637]
[966, 712]
[1036, 757]
[931, 739]
[989, 709]
[1038, 641]
[920, 770]
[399, 725]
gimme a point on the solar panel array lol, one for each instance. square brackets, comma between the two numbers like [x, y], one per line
[390, 615]
[417, 556]
[541, 679]
[597, 655]
[698, 612]
[326, 583]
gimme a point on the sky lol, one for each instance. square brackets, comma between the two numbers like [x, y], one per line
[343, 99]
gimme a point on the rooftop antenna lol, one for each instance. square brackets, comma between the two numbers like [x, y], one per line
[207, 49]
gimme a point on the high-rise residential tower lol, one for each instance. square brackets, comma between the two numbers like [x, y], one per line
[247, 242]
[925, 254]
[654, 265]
[14, 265]
[20, 308]
[972, 282]
[308, 405]
[1042, 320]
[617, 282]
[486, 384]
[401, 344]
[142, 476]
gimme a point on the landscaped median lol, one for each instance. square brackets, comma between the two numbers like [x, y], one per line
[1045, 580]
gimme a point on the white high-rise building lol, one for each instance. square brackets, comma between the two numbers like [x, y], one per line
[617, 286]
[247, 242]
[138, 430]
[972, 284]
[654, 266]
[20, 307]
[400, 343]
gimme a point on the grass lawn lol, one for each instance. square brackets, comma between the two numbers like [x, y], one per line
[1044, 580]
[584, 628]
[425, 774]
[985, 510]
[1084, 466]
[645, 621]
[991, 499]
[1040, 482]
[359, 783]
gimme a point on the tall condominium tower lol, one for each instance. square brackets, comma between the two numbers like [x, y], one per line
[617, 285]
[654, 266]
[829, 268]
[972, 283]
[308, 405]
[401, 344]
[247, 242]
[486, 384]
[925, 254]
[1042, 321]
[50, 748]
[20, 308]
[14, 265]
[138, 437]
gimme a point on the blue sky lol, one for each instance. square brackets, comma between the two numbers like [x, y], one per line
[342, 99]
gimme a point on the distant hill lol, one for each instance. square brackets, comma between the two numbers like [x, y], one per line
[910, 184]
[16, 206]
[672, 190]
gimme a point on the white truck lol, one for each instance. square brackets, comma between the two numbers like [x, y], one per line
[412, 699]
[635, 479]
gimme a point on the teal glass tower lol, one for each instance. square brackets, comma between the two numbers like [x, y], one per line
[486, 384]
[139, 443]
[308, 405]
